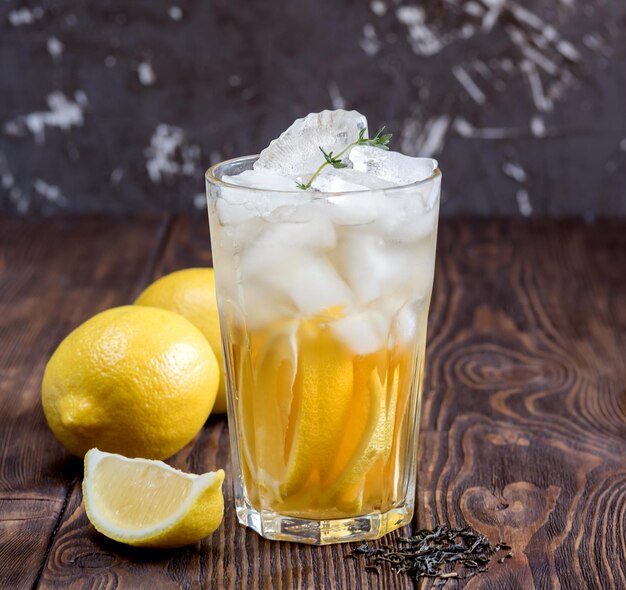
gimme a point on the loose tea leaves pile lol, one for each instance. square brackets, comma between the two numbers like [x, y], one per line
[435, 553]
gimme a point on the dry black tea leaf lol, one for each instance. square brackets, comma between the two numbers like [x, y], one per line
[443, 552]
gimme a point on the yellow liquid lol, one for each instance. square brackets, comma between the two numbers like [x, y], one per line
[323, 432]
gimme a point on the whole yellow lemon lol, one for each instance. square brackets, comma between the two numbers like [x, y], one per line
[133, 380]
[191, 293]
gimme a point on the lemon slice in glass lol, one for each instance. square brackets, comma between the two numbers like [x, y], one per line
[148, 503]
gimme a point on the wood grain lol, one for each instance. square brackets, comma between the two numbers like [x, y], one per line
[523, 424]
[234, 557]
[524, 421]
[53, 275]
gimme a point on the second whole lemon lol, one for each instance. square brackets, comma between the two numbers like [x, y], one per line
[133, 380]
[191, 293]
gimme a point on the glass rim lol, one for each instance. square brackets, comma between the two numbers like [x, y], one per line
[210, 176]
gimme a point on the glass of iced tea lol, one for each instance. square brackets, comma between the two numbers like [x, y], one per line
[323, 292]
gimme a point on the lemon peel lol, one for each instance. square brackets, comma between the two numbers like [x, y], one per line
[191, 293]
[147, 503]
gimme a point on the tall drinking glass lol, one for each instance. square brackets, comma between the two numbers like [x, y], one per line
[323, 302]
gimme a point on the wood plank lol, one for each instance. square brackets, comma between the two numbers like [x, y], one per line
[523, 425]
[54, 274]
[234, 557]
[282, 565]
[524, 421]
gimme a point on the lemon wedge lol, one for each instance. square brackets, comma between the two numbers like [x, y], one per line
[147, 503]
[321, 406]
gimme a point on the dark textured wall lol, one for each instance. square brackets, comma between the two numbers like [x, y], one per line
[120, 105]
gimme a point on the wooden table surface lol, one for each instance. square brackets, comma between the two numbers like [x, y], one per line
[523, 429]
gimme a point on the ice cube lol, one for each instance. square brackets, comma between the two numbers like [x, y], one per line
[390, 305]
[237, 204]
[361, 260]
[315, 286]
[230, 212]
[307, 282]
[391, 166]
[285, 270]
[410, 270]
[297, 150]
[400, 224]
[409, 215]
[282, 247]
[422, 269]
[262, 179]
[377, 270]
[304, 210]
[410, 323]
[345, 180]
[231, 228]
[347, 209]
[358, 209]
[262, 304]
[405, 325]
[232, 239]
[363, 332]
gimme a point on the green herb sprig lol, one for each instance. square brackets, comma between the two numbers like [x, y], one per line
[380, 140]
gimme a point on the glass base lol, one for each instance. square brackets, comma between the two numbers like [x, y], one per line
[279, 527]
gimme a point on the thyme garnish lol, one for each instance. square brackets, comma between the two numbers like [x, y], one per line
[380, 140]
